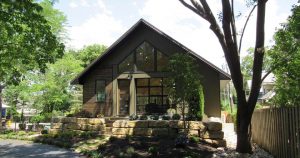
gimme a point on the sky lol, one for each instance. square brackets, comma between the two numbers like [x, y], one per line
[104, 21]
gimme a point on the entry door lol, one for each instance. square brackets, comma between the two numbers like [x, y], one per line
[124, 97]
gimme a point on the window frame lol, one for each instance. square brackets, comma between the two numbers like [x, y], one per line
[96, 93]
[134, 52]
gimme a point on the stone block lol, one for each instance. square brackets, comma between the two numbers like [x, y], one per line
[138, 124]
[158, 124]
[142, 131]
[213, 135]
[213, 126]
[196, 125]
[73, 126]
[176, 124]
[120, 123]
[95, 127]
[56, 120]
[68, 120]
[160, 131]
[84, 127]
[122, 131]
[82, 120]
[193, 132]
[216, 142]
[96, 121]
[57, 126]
[55, 131]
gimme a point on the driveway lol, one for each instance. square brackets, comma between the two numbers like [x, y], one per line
[26, 149]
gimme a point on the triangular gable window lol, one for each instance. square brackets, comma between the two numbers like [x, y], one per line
[144, 58]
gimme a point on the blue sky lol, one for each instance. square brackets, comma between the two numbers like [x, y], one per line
[104, 21]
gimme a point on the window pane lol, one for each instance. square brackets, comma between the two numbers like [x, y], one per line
[142, 100]
[145, 57]
[126, 64]
[156, 100]
[155, 91]
[142, 91]
[162, 61]
[142, 82]
[155, 81]
[100, 90]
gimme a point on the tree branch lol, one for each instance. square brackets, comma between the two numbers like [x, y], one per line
[258, 55]
[233, 27]
[199, 12]
[244, 28]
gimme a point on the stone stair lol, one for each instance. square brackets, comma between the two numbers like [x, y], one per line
[109, 123]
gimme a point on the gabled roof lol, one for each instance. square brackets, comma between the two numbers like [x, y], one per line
[223, 75]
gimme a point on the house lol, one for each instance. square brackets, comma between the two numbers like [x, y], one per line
[129, 76]
[266, 91]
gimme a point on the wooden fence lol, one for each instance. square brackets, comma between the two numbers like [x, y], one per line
[277, 130]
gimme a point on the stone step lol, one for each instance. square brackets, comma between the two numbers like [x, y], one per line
[108, 130]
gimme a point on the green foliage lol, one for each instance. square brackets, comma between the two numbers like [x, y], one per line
[90, 53]
[186, 82]
[285, 56]
[143, 117]
[153, 151]
[166, 117]
[176, 117]
[154, 117]
[37, 118]
[133, 117]
[27, 41]
[194, 139]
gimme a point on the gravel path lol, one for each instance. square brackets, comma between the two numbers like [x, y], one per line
[230, 152]
[26, 149]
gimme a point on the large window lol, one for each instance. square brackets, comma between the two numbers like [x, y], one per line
[100, 90]
[144, 58]
[151, 96]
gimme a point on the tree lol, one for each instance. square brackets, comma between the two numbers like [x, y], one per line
[90, 53]
[26, 42]
[285, 61]
[185, 85]
[227, 36]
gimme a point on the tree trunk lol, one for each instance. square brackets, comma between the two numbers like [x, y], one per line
[243, 137]
[1, 107]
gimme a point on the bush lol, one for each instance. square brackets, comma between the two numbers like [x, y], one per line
[44, 131]
[133, 117]
[154, 117]
[83, 114]
[181, 141]
[37, 118]
[176, 117]
[194, 139]
[130, 151]
[22, 126]
[143, 117]
[153, 151]
[166, 117]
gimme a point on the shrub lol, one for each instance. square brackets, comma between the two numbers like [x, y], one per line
[83, 114]
[166, 117]
[154, 117]
[153, 151]
[133, 117]
[21, 133]
[44, 131]
[37, 118]
[181, 141]
[176, 117]
[130, 151]
[143, 117]
[22, 126]
[194, 139]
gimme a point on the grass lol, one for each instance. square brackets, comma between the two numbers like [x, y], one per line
[20, 135]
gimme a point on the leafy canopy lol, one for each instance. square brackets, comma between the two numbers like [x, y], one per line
[285, 60]
[26, 42]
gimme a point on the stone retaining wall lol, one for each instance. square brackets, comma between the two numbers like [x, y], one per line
[77, 124]
[209, 132]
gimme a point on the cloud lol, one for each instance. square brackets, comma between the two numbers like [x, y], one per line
[101, 28]
[185, 26]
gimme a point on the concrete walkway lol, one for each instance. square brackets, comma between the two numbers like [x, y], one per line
[26, 149]
[229, 135]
